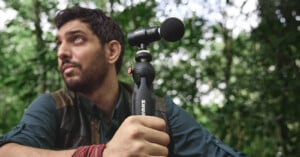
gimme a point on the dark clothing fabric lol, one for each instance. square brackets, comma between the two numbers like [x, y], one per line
[42, 127]
[80, 123]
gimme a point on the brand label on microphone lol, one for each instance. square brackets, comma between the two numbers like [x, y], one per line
[143, 107]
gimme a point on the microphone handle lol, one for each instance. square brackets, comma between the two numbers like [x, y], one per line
[143, 99]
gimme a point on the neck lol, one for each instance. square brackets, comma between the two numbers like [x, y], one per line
[105, 96]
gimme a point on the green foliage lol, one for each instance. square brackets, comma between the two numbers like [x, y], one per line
[256, 74]
[29, 61]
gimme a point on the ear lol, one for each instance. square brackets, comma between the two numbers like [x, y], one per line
[112, 51]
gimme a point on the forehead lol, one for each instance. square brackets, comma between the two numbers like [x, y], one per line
[74, 26]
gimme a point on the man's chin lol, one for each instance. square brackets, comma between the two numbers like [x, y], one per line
[76, 86]
[71, 83]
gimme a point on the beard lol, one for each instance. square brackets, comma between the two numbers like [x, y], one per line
[89, 79]
[87, 82]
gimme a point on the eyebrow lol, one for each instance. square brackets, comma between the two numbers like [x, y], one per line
[70, 33]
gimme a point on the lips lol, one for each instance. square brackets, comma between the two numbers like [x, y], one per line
[67, 66]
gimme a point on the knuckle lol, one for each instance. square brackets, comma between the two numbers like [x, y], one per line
[131, 120]
[134, 131]
[139, 147]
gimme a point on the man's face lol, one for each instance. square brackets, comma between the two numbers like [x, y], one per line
[81, 58]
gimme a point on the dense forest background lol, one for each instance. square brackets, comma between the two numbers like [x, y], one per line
[236, 70]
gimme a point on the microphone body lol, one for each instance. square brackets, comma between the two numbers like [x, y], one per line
[171, 29]
[143, 98]
[144, 36]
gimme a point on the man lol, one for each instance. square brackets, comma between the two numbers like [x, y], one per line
[91, 117]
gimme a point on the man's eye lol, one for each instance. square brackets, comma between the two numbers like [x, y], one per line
[78, 40]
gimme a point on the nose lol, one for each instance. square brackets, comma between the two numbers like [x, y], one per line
[63, 51]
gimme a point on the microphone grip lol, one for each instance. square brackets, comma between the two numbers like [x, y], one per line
[143, 102]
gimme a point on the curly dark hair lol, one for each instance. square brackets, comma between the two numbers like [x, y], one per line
[103, 26]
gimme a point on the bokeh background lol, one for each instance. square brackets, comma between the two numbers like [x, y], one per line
[236, 70]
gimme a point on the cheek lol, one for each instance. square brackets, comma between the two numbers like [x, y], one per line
[89, 55]
[80, 55]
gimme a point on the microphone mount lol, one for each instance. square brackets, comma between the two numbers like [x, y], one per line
[143, 98]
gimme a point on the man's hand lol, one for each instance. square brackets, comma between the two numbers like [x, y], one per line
[139, 136]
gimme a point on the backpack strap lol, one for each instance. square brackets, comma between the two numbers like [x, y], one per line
[62, 98]
[71, 123]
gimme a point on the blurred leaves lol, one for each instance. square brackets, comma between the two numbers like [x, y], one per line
[251, 80]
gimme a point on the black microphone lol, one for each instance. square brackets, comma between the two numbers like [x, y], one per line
[172, 29]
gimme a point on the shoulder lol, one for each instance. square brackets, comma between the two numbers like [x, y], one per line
[179, 119]
[37, 126]
[41, 108]
[190, 138]
[172, 109]
[43, 102]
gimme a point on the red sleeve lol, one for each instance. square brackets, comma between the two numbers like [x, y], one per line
[89, 151]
